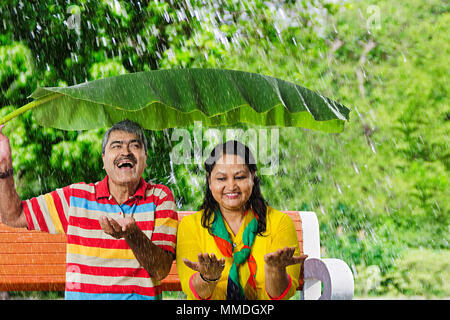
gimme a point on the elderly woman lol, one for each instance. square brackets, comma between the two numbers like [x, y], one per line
[237, 247]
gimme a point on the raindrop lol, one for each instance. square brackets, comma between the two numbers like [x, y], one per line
[295, 42]
[322, 209]
[437, 206]
[166, 16]
[395, 143]
[181, 15]
[388, 180]
[339, 188]
[371, 202]
[355, 167]
[170, 54]
[404, 58]
[372, 146]
[421, 139]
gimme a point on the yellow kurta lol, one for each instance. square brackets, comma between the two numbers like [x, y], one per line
[193, 239]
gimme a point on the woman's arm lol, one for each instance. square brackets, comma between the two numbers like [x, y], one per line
[282, 269]
[192, 262]
[209, 271]
[277, 280]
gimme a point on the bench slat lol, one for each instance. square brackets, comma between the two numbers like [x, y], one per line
[33, 283]
[44, 247]
[33, 270]
[35, 237]
[35, 258]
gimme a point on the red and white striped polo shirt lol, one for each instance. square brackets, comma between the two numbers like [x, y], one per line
[98, 265]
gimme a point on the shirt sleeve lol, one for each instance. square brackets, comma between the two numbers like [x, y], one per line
[286, 236]
[166, 221]
[48, 212]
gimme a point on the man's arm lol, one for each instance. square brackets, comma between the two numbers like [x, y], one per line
[155, 260]
[11, 211]
[152, 258]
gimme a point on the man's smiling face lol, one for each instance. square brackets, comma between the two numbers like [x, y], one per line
[125, 158]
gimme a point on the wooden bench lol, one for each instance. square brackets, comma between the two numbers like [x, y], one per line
[35, 261]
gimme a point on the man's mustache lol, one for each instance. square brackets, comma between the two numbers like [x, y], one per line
[128, 157]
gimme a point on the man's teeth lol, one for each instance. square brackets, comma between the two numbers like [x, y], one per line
[123, 164]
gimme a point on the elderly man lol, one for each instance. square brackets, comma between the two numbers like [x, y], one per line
[121, 231]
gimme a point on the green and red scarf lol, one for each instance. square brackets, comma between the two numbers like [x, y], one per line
[235, 291]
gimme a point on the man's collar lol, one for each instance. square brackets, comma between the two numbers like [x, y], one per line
[140, 192]
[102, 190]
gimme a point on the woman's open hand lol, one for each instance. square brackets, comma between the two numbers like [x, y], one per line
[283, 258]
[277, 279]
[209, 267]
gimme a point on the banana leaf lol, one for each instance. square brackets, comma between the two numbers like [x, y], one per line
[176, 98]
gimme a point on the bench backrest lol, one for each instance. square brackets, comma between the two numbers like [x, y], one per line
[35, 261]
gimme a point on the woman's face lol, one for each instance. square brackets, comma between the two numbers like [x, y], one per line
[231, 183]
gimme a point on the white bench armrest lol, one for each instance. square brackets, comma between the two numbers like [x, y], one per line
[335, 275]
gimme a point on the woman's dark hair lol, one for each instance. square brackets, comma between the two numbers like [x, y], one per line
[256, 202]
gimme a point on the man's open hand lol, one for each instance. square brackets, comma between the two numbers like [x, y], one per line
[119, 228]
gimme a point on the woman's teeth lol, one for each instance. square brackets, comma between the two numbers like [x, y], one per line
[232, 195]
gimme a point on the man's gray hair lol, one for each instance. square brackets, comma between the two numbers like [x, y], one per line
[128, 126]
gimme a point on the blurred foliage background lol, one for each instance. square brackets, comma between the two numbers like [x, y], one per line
[380, 188]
